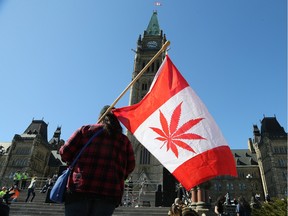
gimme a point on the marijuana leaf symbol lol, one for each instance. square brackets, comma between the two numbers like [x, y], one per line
[171, 136]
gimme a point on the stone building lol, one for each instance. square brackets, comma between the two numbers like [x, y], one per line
[148, 168]
[270, 146]
[30, 152]
[247, 183]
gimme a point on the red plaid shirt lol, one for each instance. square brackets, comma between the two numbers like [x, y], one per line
[103, 166]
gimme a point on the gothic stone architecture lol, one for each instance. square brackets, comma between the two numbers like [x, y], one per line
[270, 146]
[30, 152]
[148, 167]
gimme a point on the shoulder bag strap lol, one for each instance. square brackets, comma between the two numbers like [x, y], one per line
[84, 147]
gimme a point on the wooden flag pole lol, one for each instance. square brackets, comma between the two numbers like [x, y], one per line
[164, 47]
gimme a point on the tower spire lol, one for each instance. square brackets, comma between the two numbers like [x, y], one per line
[153, 26]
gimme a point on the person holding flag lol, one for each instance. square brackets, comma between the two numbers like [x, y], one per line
[96, 183]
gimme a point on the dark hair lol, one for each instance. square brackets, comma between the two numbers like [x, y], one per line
[220, 199]
[111, 124]
[220, 203]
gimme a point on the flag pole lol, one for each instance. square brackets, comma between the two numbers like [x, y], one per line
[163, 48]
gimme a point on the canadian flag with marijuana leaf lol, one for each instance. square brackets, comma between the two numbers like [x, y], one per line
[175, 126]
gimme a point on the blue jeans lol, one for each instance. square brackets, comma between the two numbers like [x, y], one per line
[91, 207]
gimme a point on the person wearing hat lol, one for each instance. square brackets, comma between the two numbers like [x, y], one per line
[96, 184]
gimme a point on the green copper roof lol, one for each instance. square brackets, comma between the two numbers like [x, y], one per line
[153, 27]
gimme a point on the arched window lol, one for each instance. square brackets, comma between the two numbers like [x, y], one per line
[144, 156]
[144, 86]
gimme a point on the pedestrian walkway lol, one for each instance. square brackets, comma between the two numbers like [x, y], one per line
[39, 207]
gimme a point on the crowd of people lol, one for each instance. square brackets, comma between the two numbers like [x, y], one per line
[8, 195]
[243, 206]
[21, 182]
[223, 206]
[11, 194]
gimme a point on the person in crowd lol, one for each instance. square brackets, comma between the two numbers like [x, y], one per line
[17, 178]
[176, 208]
[128, 197]
[48, 184]
[54, 178]
[130, 184]
[24, 177]
[179, 208]
[235, 202]
[243, 208]
[15, 193]
[3, 191]
[181, 192]
[7, 194]
[227, 199]
[31, 189]
[174, 211]
[219, 205]
[96, 184]
[4, 207]
[3, 195]
[255, 203]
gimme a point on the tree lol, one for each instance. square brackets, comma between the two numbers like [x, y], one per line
[276, 207]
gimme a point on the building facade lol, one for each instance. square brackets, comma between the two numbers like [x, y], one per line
[270, 146]
[30, 152]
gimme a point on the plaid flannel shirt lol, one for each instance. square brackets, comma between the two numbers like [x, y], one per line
[104, 165]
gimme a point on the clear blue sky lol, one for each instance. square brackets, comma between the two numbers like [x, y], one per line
[63, 60]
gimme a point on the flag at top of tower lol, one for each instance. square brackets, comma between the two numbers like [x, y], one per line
[175, 126]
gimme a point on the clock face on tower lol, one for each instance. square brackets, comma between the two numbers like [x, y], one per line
[152, 44]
